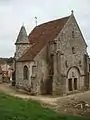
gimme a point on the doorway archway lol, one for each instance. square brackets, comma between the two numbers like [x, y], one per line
[73, 76]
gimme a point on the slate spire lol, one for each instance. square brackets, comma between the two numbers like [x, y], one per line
[22, 37]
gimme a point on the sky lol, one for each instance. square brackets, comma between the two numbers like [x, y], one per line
[15, 13]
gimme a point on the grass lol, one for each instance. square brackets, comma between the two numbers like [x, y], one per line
[12, 108]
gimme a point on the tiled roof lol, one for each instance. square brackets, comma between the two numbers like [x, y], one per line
[41, 35]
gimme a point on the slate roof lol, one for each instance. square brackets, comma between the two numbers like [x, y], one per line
[41, 35]
[22, 37]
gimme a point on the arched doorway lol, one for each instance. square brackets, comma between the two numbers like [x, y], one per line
[73, 76]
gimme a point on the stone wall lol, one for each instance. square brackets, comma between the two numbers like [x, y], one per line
[20, 81]
[88, 72]
[21, 49]
[72, 48]
[42, 71]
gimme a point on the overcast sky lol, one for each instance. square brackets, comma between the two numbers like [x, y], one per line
[14, 13]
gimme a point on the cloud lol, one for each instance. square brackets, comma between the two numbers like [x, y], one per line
[13, 13]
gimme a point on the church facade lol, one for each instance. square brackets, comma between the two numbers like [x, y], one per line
[53, 59]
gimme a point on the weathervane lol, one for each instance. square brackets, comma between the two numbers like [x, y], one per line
[36, 20]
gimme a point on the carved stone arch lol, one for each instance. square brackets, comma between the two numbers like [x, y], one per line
[75, 68]
[73, 77]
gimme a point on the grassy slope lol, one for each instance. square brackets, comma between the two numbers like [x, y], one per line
[16, 109]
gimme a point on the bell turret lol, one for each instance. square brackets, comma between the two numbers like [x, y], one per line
[22, 43]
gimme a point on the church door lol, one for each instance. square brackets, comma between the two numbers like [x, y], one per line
[75, 83]
[70, 84]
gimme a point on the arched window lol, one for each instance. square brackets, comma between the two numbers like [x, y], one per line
[73, 50]
[73, 34]
[25, 72]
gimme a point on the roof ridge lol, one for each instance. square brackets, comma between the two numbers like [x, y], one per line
[52, 21]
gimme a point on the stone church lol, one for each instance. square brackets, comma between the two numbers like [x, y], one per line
[53, 58]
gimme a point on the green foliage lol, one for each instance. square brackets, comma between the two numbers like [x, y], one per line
[12, 108]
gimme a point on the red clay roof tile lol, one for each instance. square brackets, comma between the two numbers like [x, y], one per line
[41, 35]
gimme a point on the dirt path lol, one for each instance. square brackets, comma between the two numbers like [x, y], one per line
[8, 89]
[62, 104]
